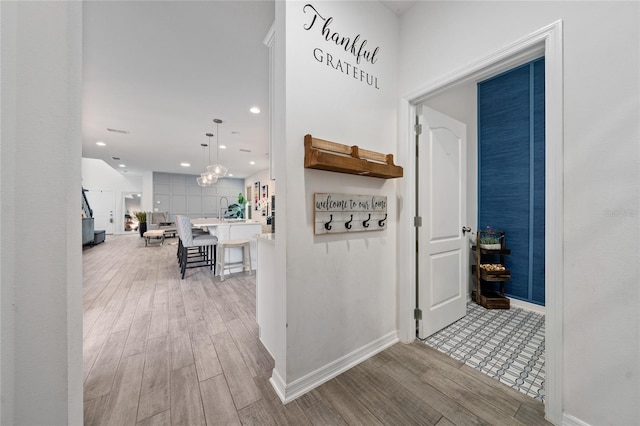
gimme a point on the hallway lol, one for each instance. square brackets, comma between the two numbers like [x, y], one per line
[159, 350]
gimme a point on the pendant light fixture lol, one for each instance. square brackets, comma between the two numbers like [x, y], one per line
[207, 178]
[217, 169]
[201, 180]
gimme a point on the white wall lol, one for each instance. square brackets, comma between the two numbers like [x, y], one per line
[340, 288]
[40, 224]
[98, 175]
[601, 180]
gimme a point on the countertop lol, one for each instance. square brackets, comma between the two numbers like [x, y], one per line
[217, 222]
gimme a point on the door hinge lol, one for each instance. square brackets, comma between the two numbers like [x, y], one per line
[418, 129]
[417, 313]
[417, 221]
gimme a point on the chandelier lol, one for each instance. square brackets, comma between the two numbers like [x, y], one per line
[217, 169]
[207, 178]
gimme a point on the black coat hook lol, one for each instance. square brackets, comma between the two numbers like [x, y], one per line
[381, 221]
[348, 224]
[327, 225]
[366, 222]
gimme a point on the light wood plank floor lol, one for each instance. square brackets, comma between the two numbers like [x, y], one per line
[159, 350]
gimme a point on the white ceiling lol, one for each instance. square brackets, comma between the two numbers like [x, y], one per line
[162, 71]
[399, 6]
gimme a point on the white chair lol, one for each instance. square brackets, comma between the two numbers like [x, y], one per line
[194, 252]
[245, 245]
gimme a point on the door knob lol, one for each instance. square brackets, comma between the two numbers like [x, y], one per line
[465, 229]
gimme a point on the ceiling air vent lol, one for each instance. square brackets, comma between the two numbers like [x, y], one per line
[125, 132]
[115, 158]
[245, 150]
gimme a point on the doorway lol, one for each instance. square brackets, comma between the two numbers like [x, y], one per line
[131, 203]
[102, 203]
[545, 42]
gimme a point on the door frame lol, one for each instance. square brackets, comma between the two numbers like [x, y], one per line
[123, 209]
[546, 41]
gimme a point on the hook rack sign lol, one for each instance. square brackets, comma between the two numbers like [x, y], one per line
[337, 213]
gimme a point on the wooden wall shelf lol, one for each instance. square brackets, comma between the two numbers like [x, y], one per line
[335, 157]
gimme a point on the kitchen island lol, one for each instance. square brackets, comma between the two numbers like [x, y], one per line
[233, 229]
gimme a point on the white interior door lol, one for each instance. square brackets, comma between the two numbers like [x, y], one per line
[442, 245]
[101, 202]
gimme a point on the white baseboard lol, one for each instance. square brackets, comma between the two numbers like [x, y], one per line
[278, 385]
[297, 388]
[568, 420]
[527, 306]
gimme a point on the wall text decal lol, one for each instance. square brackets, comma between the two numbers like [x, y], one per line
[337, 213]
[356, 46]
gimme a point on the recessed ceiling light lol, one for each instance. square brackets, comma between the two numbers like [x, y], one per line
[230, 174]
[122, 165]
[252, 162]
[223, 147]
[100, 143]
[185, 164]
[255, 110]
[139, 195]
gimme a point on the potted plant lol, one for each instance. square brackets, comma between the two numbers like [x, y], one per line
[142, 222]
[490, 239]
[236, 210]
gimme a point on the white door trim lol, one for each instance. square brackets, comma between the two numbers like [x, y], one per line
[546, 41]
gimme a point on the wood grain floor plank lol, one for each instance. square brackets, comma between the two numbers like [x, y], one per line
[318, 410]
[385, 410]
[181, 351]
[444, 405]
[97, 336]
[253, 353]
[218, 403]
[435, 355]
[468, 399]
[94, 410]
[531, 416]
[243, 389]
[137, 339]
[186, 402]
[286, 415]
[192, 304]
[123, 399]
[100, 379]
[445, 422]
[257, 414]
[347, 405]
[204, 353]
[155, 388]
[160, 419]
[159, 325]
[399, 395]
[497, 396]
[125, 318]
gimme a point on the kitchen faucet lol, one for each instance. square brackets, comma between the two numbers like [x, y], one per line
[221, 209]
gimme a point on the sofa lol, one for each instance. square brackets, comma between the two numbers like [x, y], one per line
[160, 220]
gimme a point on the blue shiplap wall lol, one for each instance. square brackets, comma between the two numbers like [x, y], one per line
[511, 172]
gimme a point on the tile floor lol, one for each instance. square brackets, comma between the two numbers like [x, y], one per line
[507, 345]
